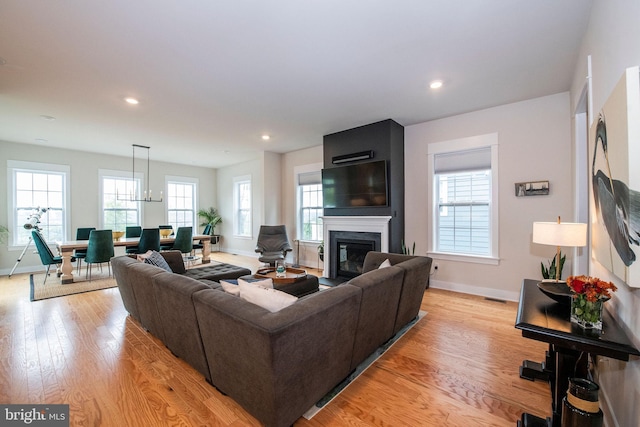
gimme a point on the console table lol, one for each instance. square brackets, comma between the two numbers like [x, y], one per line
[542, 319]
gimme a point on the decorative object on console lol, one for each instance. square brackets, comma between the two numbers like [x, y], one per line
[569, 234]
[588, 296]
[134, 195]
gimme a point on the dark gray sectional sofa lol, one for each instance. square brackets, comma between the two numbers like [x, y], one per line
[275, 365]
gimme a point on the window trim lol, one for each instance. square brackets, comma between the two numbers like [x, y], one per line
[170, 179]
[297, 171]
[19, 165]
[464, 144]
[109, 173]
[236, 182]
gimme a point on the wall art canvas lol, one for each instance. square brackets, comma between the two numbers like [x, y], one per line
[614, 153]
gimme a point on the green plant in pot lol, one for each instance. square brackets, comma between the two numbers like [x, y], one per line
[4, 233]
[550, 271]
[211, 217]
[321, 250]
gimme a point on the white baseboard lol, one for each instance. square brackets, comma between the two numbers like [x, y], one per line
[475, 290]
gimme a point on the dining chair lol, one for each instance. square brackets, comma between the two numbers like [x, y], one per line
[205, 232]
[46, 256]
[99, 249]
[132, 231]
[149, 240]
[82, 233]
[184, 240]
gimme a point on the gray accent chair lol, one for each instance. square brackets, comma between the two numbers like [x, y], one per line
[273, 243]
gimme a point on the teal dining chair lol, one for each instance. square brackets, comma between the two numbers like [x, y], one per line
[149, 240]
[99, 249]
[132, 231]
[82, 233]
[184, 240]
[46, 256]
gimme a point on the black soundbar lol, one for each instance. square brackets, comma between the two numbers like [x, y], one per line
[346, 158]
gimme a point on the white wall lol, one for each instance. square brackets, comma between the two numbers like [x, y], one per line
[534, 140]
[612, 41]
[84, 190]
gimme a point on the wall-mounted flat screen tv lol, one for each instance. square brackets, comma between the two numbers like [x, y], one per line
[354, 186]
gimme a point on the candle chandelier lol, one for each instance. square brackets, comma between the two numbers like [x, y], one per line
[147, 193]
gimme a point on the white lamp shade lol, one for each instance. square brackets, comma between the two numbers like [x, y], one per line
[560, 234]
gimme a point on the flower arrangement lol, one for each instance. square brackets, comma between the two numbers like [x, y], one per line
[588, 295]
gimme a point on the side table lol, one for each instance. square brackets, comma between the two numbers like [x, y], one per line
[542, 319]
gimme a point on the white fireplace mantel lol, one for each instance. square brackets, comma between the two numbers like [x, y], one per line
[367, 224]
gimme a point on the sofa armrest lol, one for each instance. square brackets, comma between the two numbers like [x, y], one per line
[277, 365]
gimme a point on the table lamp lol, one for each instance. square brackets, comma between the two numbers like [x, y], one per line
[569, 234]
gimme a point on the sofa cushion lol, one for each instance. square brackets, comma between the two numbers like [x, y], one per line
[271, 299]
[386, 263]
[154, 258]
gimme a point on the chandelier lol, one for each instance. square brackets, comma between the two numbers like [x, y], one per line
[146, 194]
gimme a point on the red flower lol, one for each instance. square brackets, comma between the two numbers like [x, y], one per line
[593, 288]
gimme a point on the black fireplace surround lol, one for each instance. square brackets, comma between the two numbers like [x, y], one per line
[348, 249]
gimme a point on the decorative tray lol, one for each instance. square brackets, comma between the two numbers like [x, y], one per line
[292, 274]
[558, 291]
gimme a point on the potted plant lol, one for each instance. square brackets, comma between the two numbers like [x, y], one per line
[211, 217]
[4, 233]
[321, 250]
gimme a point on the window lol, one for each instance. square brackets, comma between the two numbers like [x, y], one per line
[242, 206]
[310, 206]
[39, 193]
[464, 203]
[118, 211]
[181, 202]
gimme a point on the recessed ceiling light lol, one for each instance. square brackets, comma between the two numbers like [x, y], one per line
[266, 137]
[132, 101]
[3, 62]
[436, 84]
[48, 118]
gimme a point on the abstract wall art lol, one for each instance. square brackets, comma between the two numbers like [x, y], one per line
[614, 196]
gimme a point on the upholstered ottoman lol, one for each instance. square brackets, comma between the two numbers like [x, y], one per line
[217, 272]
[303, 286]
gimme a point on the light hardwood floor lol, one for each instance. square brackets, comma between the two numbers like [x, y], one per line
[457, 367]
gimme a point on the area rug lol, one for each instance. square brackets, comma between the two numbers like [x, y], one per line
[361, 368]
[53, 288]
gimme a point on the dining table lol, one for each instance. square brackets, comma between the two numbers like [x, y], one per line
[66, 249]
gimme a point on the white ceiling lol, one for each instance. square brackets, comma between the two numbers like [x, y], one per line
[213, 76]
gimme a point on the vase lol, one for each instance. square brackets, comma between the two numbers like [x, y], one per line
[586, 314]
[580, 407]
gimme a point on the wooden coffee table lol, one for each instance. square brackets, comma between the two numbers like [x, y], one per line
[292, 275]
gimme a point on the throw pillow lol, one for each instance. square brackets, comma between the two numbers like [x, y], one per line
[156, 259]
[270, 299]
[265, 283]
[386, 263]
[230, 287]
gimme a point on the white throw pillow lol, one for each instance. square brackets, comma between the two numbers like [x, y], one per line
[270, 299]
[386, 263]
[230, 288]
[265, 283]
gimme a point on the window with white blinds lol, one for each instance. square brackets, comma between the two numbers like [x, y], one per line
[310, 206]
[463, 200]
